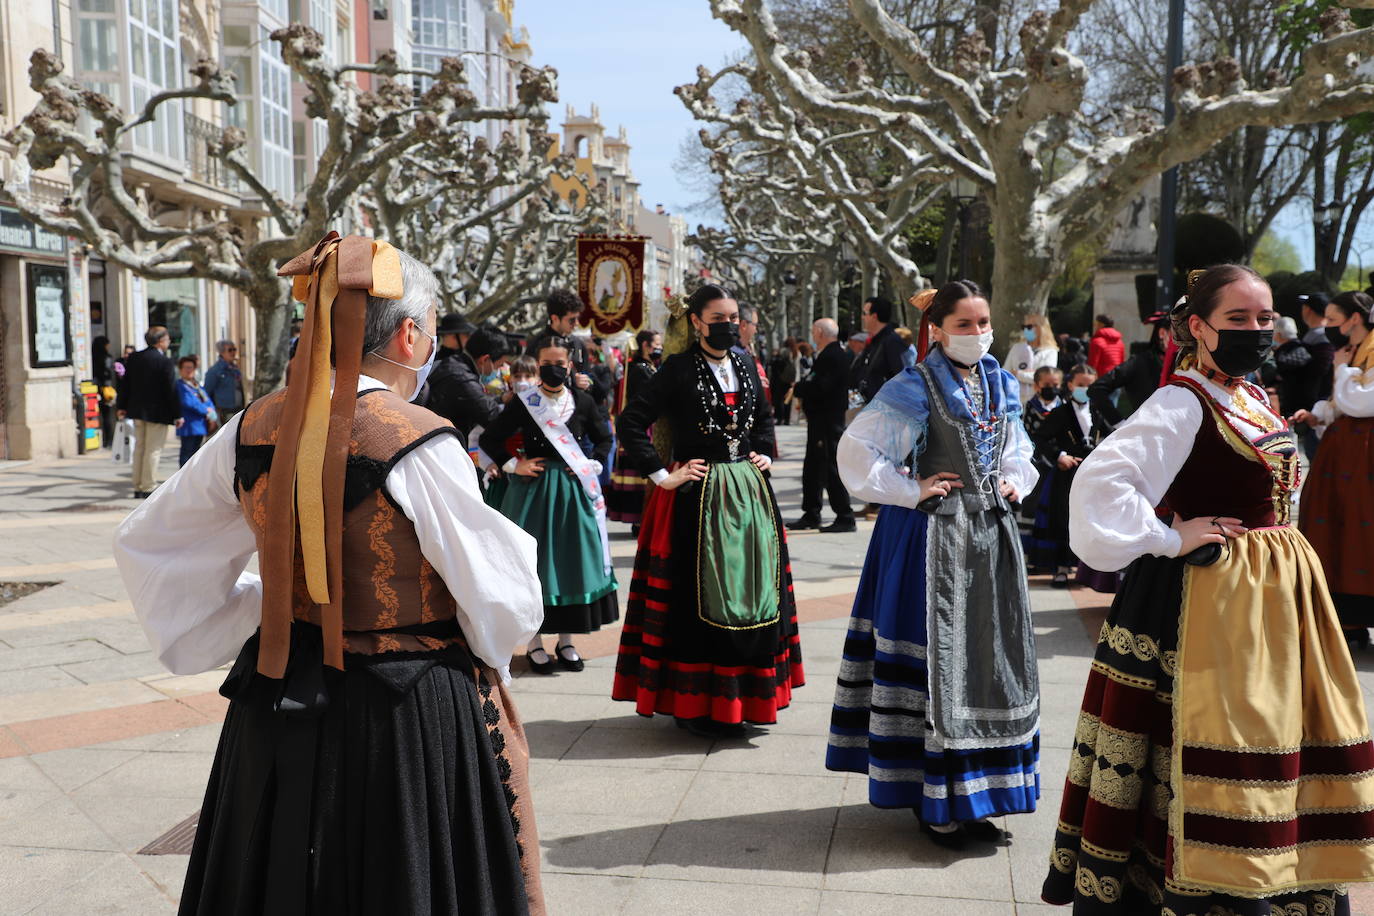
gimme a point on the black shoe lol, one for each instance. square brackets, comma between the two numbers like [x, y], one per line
[702, 728]
[840, 526]
[544, 667]
[983, 831]
[571, 661]
[956, 839]
[803, 523]
[141, 494]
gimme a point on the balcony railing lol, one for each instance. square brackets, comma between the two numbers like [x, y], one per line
[200, 164]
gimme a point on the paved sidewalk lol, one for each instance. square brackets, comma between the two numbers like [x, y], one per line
[102, 752]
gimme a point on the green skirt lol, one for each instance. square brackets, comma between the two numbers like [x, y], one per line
[495, 493]
[579, 595]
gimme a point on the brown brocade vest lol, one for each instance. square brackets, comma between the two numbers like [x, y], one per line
[387, 582]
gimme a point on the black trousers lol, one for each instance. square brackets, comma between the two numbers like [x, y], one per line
[820, 471]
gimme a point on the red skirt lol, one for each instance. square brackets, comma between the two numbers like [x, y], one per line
[673, 663]
[1337, 515]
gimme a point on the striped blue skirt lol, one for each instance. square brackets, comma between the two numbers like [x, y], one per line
[879, 724]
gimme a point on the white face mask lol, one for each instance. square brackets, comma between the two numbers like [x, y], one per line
[523, 385]
[967, 348]
[421, 372]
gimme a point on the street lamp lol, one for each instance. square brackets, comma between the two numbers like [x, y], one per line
[964, 190]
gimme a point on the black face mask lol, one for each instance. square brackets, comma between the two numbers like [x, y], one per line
[656, 353]
[1336, 337]
[1049, 393]
[553, 376]
[722, 335]
[1238, 353]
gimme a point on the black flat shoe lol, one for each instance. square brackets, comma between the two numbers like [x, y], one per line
[956, 840]
[570, 662]
[983, 831]
[803, 523]
[702, 728]
[840, 526]
[544, 667]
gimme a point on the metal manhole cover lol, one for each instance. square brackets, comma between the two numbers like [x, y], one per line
[175, 842]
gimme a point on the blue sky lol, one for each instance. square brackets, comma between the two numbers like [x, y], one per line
[626, 56]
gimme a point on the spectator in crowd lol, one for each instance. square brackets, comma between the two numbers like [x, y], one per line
[149, 397]
[824, 394]
[1071, 352]
[455, 389]
[1296, 383]
[882, 356]
[748, 332]
[909, 355]
[1138, 377]
[1036, 349]
[857, 342]
[1106, 350]
[564, 307]
[782, 376]
[224, 381]
[198, 415]
[103, 374]
[1035, 508]
[1312, 310]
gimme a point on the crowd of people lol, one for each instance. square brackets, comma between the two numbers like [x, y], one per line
[446, 507]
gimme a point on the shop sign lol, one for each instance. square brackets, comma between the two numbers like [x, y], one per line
[18, 234]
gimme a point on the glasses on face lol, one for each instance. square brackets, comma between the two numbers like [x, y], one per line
[1028, 327]
[231, 349]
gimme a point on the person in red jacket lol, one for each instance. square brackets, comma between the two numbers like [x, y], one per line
[1106, 350]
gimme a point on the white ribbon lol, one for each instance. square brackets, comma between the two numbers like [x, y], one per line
[553, 428]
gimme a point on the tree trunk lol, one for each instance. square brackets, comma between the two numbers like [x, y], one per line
[272, 306]
[1023, 272]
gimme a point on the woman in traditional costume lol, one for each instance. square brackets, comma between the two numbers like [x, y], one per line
[1222, 761]
[553, 492]
[629, 488]
[710, 632]
[938, 698]
[1338, 501]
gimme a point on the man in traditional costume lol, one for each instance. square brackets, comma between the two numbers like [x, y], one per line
[1222, 761]
[371, 760]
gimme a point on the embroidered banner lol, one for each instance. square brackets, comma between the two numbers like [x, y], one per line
[610, 281]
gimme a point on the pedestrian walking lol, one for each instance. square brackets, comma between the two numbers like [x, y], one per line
[882, 355]
[1338, 500]
[1106, 350]
[710, 634]
[1116, 394]
[224, 381]
[1036, 350]
[554, 493]
[629, 488]
[149, 397]
[371, 759]
[1221, 762]
[938, 699]
[198, 417]
[824, 394]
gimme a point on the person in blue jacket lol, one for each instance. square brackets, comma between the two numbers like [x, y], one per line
[197, 410]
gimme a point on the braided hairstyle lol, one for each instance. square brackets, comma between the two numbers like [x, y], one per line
[1202, 298]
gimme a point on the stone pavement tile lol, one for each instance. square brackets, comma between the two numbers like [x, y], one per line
[1058, 719]
[1031, 841]
[808, 717]
[118, 667]
[101, 725]
[551, 740]
[177, 686]
[134, 821]
[592, 682]
[804, 802]
[154, 773]
[62, 653]
[853, 903]
[122, 634]
[856, 813]
[200, 740]
[117, 887]
[1054, 767]
[609, 844]
[689, 898]
[1064, 672]
[1044, 909]
[28, 681]
[667, 747]
[30, 876]
[22, 774]
[566, 709]
[743, 849]
[567, 894]
[770, 752]
[74, 767]
[58, 823]
[18, 804]
[70, 617]
[167, 872]
[902, 861]
[211, 705]
[565, 788]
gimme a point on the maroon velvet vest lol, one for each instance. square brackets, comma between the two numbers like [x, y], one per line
[1227, 475]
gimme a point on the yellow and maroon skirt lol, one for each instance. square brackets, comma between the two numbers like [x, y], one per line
[1222, 760]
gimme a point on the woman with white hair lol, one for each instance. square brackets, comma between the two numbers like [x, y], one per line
[371, 760]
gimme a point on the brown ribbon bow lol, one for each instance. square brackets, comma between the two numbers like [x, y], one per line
[305, 490]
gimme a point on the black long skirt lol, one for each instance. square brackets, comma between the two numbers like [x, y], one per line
[383, 788]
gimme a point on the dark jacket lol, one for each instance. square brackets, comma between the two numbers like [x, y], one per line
[880, 360]
[596, 389]
[149, 391]
[637, 375]
[676, 395]
[1298, 381]
[1323, 354]
[1139, 376]
[585, 423]
[455, 392]
[824, 392]
[782, 372]
[1060, 432]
